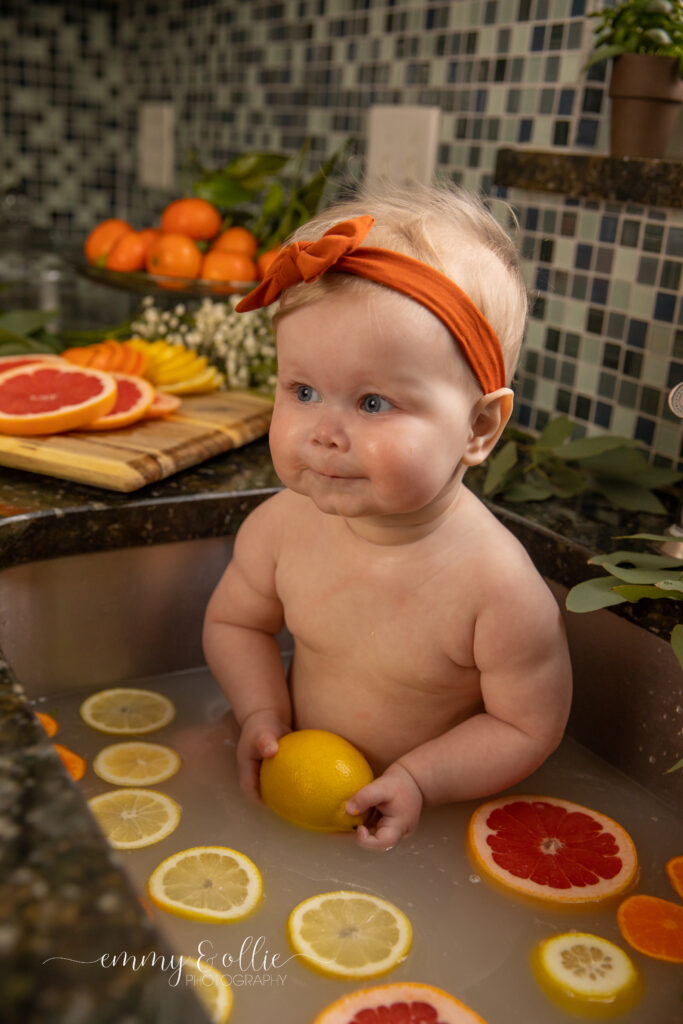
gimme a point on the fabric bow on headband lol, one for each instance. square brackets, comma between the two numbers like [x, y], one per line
[340, 251]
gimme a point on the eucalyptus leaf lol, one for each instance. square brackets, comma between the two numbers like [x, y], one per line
[628, 496]
[637, 575]
[525, 490]
[637, 560]
[670, 583]
[556, 433]
[255, 165]
[221, 190]
[26, 321]
[591, 446]
[675, 768]
[629, 464]
[635, 593]
[498, 467]
[591, 595]
[644, 536]
[677, 644]
[564, 480]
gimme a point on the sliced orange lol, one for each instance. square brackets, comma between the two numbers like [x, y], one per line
[674, 870]
[48, 723]
[74, 763]
[134, 396]
[551, 850]
[43, 398]
[653, 927]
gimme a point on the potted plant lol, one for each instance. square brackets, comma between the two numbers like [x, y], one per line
[645, 40]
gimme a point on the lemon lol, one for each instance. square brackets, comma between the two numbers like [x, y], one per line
[349, 934]
[210, 986]
[136, 763]
[131, 818]
[583, 971]
[125, 710]
[311, 777]
[206, 883]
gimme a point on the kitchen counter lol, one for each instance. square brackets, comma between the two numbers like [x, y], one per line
[56, 873]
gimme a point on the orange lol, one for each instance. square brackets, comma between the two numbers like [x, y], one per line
[174, 255]
[653, 927]
[128, 253]
[48, 723]
[74, 763]
[103, 238]
[264, 261]
[236, 239]
[551, 850]
[194, 217]
[674, 869]
[227, 266]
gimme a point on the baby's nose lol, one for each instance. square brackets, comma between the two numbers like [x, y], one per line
[329, 431]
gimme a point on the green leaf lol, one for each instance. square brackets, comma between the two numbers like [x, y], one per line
[670, 583]
[590, 446]
[628, 496]
[637, 560]
[645, 536]
[222, 191]
[676, 767]
[635, 593]
[255, 165]
[629, 464]
[677, 644]
[636, 575]
[564, 480]
[591, 595]
[556, 433]
[498, 467]
[26, 321]
[526, 490]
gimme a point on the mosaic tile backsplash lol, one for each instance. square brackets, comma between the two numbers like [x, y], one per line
[605, 342]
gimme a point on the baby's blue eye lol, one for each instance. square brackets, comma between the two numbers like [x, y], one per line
[375, 403]
[305, 393]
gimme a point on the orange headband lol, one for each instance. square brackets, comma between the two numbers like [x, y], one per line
[339, 250]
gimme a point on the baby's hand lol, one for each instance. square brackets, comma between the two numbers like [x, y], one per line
[398, 799]
[258, 739]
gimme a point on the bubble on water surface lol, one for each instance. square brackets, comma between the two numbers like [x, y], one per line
[475, 879]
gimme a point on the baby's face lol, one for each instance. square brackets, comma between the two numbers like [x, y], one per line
[373, 405]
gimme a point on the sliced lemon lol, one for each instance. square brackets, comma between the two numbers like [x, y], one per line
[349, 934]
[209, 985]
[136, 763]
[579, 970]
[123, 710]
[131, 818]
[206, 883]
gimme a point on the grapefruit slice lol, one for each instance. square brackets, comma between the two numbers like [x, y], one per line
[163, 405]
[47, 398]
[551, 850]
[403, 1002]
[134, 396]
[12, 362]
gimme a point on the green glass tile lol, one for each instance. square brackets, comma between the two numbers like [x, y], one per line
[556, 310]
[620, 294]
[625, 264]
[655, 370]
[591, 351]
[627, 394]
[623, 421]
[642, 301]
[587, 378]
[667, 439]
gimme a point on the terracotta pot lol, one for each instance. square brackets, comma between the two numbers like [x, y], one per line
[646, 92]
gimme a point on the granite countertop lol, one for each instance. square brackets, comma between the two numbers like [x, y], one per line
[56, 872]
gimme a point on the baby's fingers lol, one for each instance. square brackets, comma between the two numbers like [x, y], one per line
[369, 796]
[384, 838]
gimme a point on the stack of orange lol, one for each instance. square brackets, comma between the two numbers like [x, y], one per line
[189, 244]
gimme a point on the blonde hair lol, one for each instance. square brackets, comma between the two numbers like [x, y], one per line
[441, 225]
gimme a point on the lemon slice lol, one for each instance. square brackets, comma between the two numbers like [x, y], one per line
[206, 883]
[131, 818]
[349, 934]
[210, 986]
[579, 969]
[127, 711]
[136, 763]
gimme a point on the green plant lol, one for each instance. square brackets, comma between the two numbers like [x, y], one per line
[632, 576]
[268, 193]
[529, 468]
[639, 26]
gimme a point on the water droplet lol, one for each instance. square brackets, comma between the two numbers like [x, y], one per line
[474, 879]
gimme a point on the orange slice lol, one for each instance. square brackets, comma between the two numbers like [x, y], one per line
[48, 723]
[653, 927]
[74, 763]
[674, 869]
[398, 1003]
[163, 405]
[551, 850]
[134, 396]
[47, 398]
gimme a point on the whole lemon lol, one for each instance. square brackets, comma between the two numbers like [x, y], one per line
[311, 777]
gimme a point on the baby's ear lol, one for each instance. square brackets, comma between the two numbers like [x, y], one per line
[489, 417]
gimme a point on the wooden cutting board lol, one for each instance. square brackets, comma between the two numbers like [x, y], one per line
[123, 460]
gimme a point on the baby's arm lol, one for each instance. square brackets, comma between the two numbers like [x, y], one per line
[241, 622]
[521, 651]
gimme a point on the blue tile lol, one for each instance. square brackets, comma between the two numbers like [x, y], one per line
[542, 275]
[587, 132]
[637, 333]
[603, 415]
[608, 229]
[645, 430]
[538, 37]
[578, 8]
[525, 129]
[566, 102]
[675, 375]
[531, 219]
[561, 133]
[582, 260]
[665, 307]
[599, 290]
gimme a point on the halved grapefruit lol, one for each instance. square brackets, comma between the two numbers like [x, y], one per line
[551, 849]
[134, 396]
[49, 397]
[13, 362]
[403, 1002]
[163, 405]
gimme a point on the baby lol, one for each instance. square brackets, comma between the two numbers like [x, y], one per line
[422, 632]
